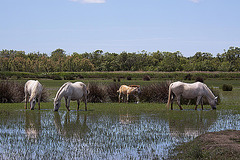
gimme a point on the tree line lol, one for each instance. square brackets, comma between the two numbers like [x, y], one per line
[59, 61]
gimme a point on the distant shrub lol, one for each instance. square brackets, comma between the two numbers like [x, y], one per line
[227, 87]
[112, 91]
[146, 78]
[199, 79]
[156, 92]
[80, 76]
[3, 77]
[129, 78]
[55, 77]
[188, 77]
[97, 93]
[69, 77]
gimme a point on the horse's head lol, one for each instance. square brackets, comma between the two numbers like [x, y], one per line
[57, 104]
[213, 103]
[32, 103]
[137, 90]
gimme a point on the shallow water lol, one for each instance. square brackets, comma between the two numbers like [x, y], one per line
[106, 131]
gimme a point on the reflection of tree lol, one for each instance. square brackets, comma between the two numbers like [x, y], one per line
[71, 128]
[32, 124]
[191, 124]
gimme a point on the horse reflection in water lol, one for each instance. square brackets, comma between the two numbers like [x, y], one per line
[71, 127]
[32, 124]
[189, 124]
[127, 119]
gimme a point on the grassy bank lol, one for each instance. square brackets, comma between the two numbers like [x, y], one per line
[212, 145]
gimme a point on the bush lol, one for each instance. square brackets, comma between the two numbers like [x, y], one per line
[45, 95]
[129, 78]
[55, 77]
[112, 91]
[227, 87]
[97, 93]
[157, 92]
[188, 77]
[119, 79]
[80, 76]
[11, 92]
[199, 79]
[69, 77]
[146, 78]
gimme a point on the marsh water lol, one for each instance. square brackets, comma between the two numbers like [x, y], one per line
[106, 131]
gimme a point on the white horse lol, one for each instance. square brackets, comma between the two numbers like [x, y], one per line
[34, 90]
[190, 91]
[71, 91]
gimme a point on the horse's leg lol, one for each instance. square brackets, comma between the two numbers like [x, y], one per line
[136, 96]
[172, 99]
[178, 102]
[127, 97]
[202, 102]
[85, 102]
[67, 103]
[78, 103]
[199, 98]
[26, 100]
[39, 99]
[119, 97]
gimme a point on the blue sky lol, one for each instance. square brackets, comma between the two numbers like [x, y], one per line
[82, 26]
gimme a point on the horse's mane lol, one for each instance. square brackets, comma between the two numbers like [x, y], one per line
[61, 88]
[209, 90]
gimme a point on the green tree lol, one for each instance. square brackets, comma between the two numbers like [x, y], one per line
[58, 56]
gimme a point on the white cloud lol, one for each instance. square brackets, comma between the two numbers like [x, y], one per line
[195, 1]
[89, 1]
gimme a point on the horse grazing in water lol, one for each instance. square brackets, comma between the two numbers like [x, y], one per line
[71, 91]
[129, 90]
[190, 91]
[34, 90]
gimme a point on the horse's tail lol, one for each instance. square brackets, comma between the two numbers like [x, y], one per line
[169, 96]
[85, 89]
[36, 90]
